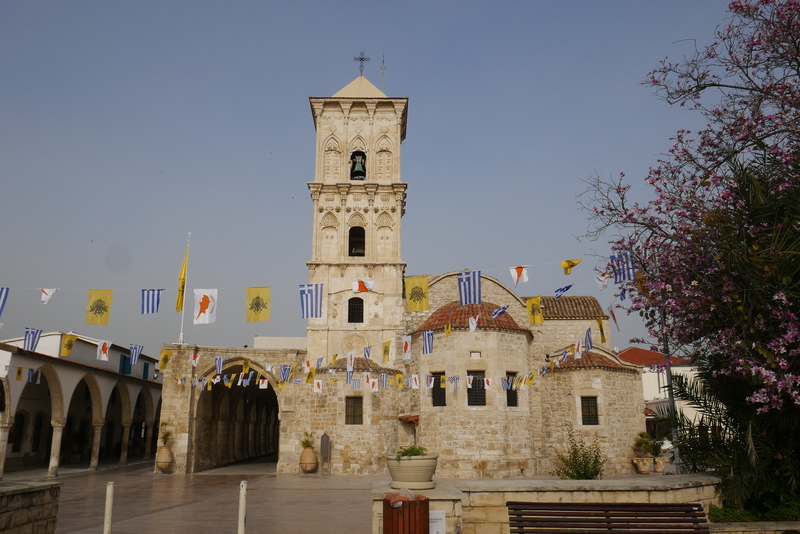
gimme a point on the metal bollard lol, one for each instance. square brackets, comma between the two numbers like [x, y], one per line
[242, 506]
[109, 508]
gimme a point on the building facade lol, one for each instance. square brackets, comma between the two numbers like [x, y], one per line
[362, 383]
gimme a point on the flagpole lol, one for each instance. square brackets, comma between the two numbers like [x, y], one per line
[183, 304]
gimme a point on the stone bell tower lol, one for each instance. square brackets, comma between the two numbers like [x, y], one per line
[359, 201]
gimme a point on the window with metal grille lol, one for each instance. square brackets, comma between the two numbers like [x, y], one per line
[438, 393]
[511, 393]
[589, 411]
[355, 310]
[353, 410]
[476, 395]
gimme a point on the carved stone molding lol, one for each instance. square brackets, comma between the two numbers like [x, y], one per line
[354, 342]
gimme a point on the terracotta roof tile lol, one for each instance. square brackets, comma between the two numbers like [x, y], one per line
[571, 307]
[594, 360]
[639, 356]
[457, 315]
[359, 364]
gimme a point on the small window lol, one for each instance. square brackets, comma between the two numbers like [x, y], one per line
[476, 395]
[589, 411]
[353, 410]
[146, 370]
[438, 393]
[124, 364]
[356, 244]
[511, 393]
[355, 310]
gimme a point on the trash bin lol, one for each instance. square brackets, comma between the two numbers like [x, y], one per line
[404, 515]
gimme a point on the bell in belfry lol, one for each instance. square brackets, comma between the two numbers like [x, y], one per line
[358, 162]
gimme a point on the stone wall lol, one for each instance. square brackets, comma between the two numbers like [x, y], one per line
[29, 508]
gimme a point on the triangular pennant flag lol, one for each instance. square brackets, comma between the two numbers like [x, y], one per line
[363, 286]
[567, 265]
[560, 291]
[602, 280]
[519, 274]
[47, 294]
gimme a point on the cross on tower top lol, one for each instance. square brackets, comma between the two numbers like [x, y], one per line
[361, 59]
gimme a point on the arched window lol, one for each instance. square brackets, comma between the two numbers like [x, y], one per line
[358, 165]
[355, 310]
[356, 245]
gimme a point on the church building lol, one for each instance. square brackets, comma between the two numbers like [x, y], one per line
[488, 391]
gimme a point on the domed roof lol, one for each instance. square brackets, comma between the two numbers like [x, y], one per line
[458, 316]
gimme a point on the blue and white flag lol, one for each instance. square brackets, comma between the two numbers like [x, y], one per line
[3, 298]
[348, 377]
[383, 377]
[151, 298]
[587, 345]
[31, 372]
[319, 363]
[498, 312]
[284, 375]
[246, 381]
[469, 287]
[427, 342]
[32, 336]
[506, 382]
[136, 351]
[367, 351]
[623, 266]
[622, 294]
[219, 361]
[565, 356]
[560, 291]
[355, 383]
[311, 301]
[454, 380]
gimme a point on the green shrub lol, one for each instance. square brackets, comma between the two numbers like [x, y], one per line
[581, 461]
[729, 514]
[769, 511]
[413, 450]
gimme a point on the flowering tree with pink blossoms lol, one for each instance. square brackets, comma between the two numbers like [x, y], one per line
[718, 245]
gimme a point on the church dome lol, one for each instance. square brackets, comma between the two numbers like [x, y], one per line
[458, 316]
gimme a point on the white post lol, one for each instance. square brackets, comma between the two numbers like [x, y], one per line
[109, 507]
[242, 506]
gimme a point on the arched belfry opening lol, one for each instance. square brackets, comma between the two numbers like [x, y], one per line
[356, 242]
[358, 165]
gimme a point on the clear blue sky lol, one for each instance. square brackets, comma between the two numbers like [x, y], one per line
[125, 125]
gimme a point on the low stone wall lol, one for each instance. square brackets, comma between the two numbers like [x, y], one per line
[478, 506]
[29, 508]
[776, 527]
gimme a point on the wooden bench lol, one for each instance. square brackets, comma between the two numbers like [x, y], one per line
[587, 518]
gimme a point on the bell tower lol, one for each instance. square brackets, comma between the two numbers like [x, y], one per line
[358, 201]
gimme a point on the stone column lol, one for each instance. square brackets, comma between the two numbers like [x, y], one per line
[3, 446]
[148, 442]
[55, 449]
[123, 453]
[97, 430]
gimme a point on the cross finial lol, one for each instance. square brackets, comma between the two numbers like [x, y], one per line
[361, 59]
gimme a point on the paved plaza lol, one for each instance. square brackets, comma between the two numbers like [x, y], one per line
[208, 501]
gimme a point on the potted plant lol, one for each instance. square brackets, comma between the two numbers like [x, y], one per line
[658, 458]
[412, 468]
[308, 458]
[164, 454]
[643, 449]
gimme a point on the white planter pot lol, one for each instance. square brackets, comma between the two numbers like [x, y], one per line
[413, 472]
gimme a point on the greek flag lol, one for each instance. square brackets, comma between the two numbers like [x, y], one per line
[3, 298]
[248, 379]
[32, 336]
[427, 341]
[136, 351]
[219, 361]
[469, 287]
[311, 301]
[367, 351]
[506, 383]
[623, 266]
[31, 372]
[560, 291]
[587, 345]
[384, 377]
[498, 312]
[355, 384]
[348, 377]
[454, 380]
[151, 298]
[565, 356]
[284, 375]
[319, 363]
[194, 382]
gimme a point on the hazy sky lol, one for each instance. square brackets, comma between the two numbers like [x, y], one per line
[126, 125]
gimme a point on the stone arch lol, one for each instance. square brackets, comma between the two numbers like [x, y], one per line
[384, 144]
[384, 219]
[125, 399]
[329, 220]
[57, 414]
[332, 160]
[97, 398]
[384, 160]
[5, 402]
[357, 220]
[358, 143]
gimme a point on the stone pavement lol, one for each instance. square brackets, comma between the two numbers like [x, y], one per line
[208, 501]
